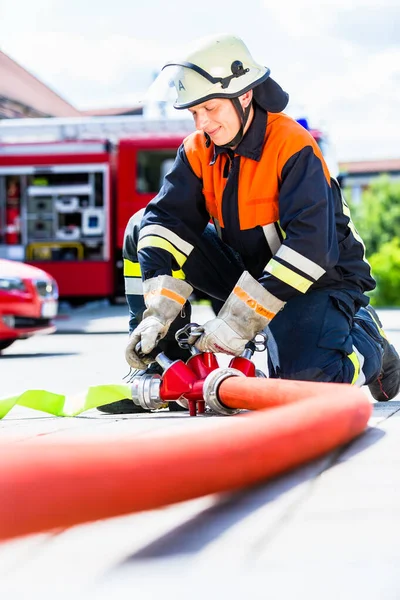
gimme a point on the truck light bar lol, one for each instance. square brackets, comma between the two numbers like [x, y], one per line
[85, 128]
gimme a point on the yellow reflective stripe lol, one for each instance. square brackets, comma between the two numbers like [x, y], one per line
[301, 262]
[381, 331]
[281, 230]
[356, 364]
[131, 269]
[288, 276]
[157, 242]
[179, 274]
[166, 234]
[347, 213]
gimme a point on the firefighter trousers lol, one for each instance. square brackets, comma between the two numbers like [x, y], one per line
[323, 335]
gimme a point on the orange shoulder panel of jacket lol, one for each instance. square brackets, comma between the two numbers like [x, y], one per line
[290, 137]
[196, 152]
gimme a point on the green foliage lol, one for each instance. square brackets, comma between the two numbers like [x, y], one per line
[385, 266]
[377, 219]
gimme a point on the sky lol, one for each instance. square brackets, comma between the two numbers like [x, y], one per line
[339, 61]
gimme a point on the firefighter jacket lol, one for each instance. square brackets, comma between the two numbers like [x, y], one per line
[272, 200]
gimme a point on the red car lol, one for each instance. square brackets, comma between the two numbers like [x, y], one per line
[28, 302]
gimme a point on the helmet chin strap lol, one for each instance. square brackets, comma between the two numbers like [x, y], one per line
[243, 117]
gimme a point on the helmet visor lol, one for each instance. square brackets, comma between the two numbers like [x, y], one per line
[164, 87]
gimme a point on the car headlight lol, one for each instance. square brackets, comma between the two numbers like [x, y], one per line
[9, 284]
[46, 288]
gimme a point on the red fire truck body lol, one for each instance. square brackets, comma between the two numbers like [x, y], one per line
[68, 188]
[64, 205]
[56, 184]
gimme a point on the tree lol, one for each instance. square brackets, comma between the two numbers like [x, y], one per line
[377, 219]
[385, 266]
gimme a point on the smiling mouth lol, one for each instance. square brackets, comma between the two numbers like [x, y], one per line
[213, 131]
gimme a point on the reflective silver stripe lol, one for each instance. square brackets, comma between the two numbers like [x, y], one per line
[137, 217]
[217, 227]
[168, 235]
[300, 262]
[134, 286]
[272, 237]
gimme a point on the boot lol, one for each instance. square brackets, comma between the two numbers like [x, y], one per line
[387, 384]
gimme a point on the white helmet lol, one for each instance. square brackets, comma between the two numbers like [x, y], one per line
[219, 66]
[215, 67]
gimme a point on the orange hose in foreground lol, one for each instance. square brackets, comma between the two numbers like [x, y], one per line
[257, 393]
[46, 485]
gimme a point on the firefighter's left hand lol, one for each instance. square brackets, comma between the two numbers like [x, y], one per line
[218, 336]
[247, 311]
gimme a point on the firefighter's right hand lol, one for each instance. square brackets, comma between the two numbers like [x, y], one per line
[149, 332]
[164, 297]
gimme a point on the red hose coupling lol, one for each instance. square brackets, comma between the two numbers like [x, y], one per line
[202, 364]
[180, 383]
[246, 366]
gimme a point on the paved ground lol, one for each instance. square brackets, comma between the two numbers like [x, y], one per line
[328, 530]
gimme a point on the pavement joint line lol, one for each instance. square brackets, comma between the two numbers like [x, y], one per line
[385, 418]
[292, 508]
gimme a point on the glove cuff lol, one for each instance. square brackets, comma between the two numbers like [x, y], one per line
[165, 297]
[250, 307]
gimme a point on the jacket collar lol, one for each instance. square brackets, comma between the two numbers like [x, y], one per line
[252, 144]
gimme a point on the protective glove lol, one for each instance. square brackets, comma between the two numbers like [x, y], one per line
[248, 309]
[164, 297]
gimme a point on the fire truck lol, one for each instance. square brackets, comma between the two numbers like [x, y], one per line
[68, 188]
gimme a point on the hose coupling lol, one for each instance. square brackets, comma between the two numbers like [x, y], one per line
[210, 389]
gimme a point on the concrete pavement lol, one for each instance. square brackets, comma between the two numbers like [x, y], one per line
[328, 530]
[100, 316]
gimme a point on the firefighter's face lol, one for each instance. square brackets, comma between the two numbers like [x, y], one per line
[218, 118]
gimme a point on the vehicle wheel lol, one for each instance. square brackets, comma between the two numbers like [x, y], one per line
[5, 344]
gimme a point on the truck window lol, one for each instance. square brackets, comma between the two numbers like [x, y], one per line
[152, 166]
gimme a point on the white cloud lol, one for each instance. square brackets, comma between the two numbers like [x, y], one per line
[105, 61]
[338, 59]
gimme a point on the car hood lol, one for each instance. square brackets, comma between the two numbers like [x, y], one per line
[13, 268]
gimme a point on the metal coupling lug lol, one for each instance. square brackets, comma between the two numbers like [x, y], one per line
[146, 391]
[210, 389]
[260, 373]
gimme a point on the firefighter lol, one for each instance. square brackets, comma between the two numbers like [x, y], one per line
[250, 215]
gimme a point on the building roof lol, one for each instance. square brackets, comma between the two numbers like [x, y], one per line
[22, 91]
[371, 166]
[109, 112]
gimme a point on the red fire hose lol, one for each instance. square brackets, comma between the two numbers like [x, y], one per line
[46, 485]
